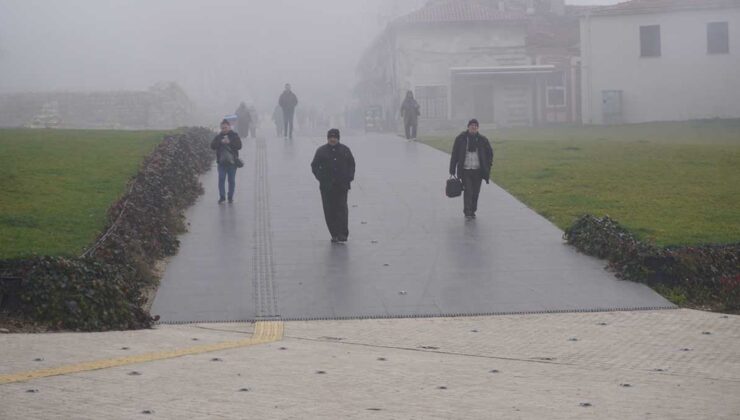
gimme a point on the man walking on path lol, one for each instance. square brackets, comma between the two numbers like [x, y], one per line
[471, 160]
[334, 167]
[243, 120]
[227, 145]
[410, 113]
[288, 102]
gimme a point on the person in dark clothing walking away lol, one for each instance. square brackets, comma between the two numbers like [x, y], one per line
[243, 119]
[334, 167]
[410, 113]
[288, 101]
[471, 161]
[227, 145]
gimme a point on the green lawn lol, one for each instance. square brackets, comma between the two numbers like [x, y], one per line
[56, 185]
[674, 183]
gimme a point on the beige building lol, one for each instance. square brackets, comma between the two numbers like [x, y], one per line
[508, 63]
[661, 60]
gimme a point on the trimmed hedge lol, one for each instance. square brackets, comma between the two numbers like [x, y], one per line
[104, 288]
[706, 275]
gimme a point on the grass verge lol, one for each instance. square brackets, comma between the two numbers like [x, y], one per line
[56, 185]
[668, 183]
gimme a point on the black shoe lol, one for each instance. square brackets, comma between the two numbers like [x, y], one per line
[231, 200]
[472, 215]
[334, 239]
[342, 238]
[221, 200]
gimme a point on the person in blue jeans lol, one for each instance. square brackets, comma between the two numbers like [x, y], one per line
[227, 145]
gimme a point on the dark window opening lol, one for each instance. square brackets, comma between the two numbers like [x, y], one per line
[718, 38]
[650, 41]
[432, 101]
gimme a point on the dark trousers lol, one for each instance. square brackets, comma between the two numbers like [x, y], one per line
[472, 179]
[288, 122]
[410, 129]
[225, 171]
[336, 212]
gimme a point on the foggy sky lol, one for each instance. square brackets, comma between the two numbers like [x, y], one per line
[221, 51]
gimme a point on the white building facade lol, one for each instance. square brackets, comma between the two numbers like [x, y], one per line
[661, 60]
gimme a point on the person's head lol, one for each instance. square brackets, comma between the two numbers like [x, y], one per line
[473, 126]
[409, 94]
[332, 136]
[225, 126]
[287, 87]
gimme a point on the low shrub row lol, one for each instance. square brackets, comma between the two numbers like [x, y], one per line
[104, 288]
[702, 276]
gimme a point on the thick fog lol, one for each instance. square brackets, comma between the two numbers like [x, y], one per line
[220, 51]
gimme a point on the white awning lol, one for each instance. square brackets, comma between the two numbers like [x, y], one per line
[493, 71]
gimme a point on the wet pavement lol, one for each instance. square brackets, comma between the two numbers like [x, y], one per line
[410, 253]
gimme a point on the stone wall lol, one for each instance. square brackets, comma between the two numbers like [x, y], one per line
[162, 106]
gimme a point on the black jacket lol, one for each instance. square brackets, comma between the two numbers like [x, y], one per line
[410, 110]
[288, 101]
[235, 144]
[243, 119]
[485, 155]
[334, 166]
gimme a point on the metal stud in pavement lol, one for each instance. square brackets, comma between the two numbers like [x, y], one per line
[585, 404]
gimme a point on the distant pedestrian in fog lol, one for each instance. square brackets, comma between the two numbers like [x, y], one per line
[243, 120]
[254, 121]
[288, 101]
[334, 168]
[410, 113]
[471, 160]
[227, 145]
[277, 118]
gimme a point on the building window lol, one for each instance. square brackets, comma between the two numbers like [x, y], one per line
[555, 90]
[718, 38]
[650, 41]
[432, 101]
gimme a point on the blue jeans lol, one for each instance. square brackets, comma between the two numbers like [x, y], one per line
[224, 170]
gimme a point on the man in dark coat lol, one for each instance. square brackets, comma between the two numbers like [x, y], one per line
[471, 161]
[334, 167]
[410, 113]
[227, 145]
[288, 101]
[243, 120]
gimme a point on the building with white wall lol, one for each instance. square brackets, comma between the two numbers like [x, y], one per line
[508, 62]
[661, 60]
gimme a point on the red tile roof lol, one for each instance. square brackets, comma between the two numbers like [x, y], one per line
[657, 6]
[460, 11]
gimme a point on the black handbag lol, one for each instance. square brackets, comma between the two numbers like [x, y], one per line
[454, 187]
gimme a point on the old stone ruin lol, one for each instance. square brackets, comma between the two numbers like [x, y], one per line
[162, 106]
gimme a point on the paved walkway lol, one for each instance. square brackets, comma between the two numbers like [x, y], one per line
[267, 258]
[678, 364]
[411, 253]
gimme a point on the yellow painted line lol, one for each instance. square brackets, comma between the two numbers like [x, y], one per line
[264, 332]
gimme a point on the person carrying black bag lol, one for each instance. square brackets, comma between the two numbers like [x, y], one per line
[334, 167]
[227, 145]
[471, 161]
